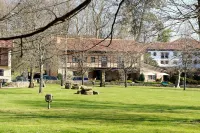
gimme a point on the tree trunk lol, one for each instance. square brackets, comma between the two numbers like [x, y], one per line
[82, 79]
[65, 72]
[125, 78]
[141, 21]
[102, 84]
[198, 18]
[184, 87]
[177, 84]
[41, 75]
[62, 81]
[31, 84]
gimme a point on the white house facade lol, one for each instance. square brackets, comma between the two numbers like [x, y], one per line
[174, 54]
[165, 58]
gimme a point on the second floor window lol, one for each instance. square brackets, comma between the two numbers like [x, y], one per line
[1, 72]
[154, 54]
[74, 59]
[175, 53]
[164, 55]
[103, 59]
[92, 59]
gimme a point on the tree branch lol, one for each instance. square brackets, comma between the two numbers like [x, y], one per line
[61, 19]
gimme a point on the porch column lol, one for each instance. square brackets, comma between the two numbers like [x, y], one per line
[103, 75]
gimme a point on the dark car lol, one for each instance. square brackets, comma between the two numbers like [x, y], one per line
[79, 78]
[45, 77]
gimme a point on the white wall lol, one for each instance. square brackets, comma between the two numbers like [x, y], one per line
[171, 58]
[7, 73]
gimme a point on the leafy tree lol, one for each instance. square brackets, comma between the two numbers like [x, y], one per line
[164, 36]
[148, 60]
[139, 19]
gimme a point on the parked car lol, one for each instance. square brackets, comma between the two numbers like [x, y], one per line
[45, 77]
[79, 78]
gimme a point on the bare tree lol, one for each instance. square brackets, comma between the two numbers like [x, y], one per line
[181, 12]
[81, 58]
[129, 59]
[21, 8]
[184, 60]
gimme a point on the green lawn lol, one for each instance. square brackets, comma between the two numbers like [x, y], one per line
[115, 110]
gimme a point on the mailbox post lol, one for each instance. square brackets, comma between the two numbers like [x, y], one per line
[48, 98]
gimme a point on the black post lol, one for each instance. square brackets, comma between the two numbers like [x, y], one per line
[48, 104]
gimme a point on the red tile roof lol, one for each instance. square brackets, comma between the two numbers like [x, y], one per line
[81, 44]
[175, 45]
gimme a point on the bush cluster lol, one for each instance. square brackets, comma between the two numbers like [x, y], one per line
[141, 77]
[192, 81]
[188, 80]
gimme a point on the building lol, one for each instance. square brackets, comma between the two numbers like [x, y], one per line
[98, 58]
[176, 53]
[5, 61]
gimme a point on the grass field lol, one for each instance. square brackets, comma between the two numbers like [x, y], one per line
[115, 110]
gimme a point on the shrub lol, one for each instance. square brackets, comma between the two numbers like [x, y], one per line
[152, 83]
[158, 80]
[137, 81]
[196, 77]
[97, 81]
[192, 81]
[59, 76]
[173, 78]
[141, 78]
[129, 81]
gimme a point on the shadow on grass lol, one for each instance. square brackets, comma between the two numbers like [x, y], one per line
[84, 104]
[112, 112]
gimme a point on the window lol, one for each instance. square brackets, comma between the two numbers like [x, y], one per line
[103, 59]
[74, 59]
[164, 62]
[164, 55]
[154, 53]
[92, 59]
[175, 53]
[1, 72]
[151, 77]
